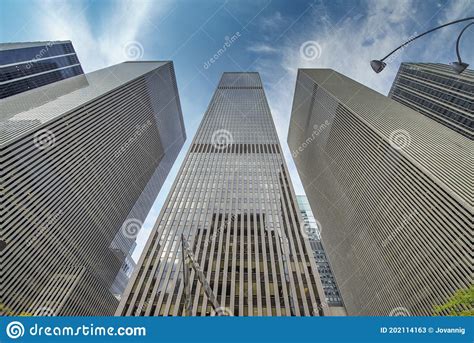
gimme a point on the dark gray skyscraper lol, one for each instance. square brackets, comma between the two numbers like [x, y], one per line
[234, 202]
[25, 66]
[82, 162]
[436, 91]
[392, 190]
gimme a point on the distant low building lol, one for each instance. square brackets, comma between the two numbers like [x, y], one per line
[331, 291]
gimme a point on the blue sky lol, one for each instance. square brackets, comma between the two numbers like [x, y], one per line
[269, 34]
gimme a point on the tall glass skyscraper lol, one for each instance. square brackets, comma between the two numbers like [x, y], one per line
[392, 190]
[83, 161]
[25, 66]
[235, 205]
[436, 91]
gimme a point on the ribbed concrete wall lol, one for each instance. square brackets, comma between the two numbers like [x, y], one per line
[392, 190]
[79, 179]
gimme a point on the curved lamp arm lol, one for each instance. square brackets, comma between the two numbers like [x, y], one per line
[379, 65]
[459, 66]
[459, 38]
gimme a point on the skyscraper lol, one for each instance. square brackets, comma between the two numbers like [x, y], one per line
[82, 162]
[235, 205]
[436, 91]
[333, 298]
[25, 66]
[392, 190]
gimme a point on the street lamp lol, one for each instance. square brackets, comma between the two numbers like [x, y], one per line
[459, 66]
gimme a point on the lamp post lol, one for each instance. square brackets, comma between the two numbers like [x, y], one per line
[459, 66]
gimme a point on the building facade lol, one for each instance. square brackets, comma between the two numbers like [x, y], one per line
[235, 205]
[26, 66]
[83, 160]
[123, 277]
[392, 190]
[439, 93]
[332, 295]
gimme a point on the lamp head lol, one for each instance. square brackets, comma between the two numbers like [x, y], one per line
[377, 65]
[459, 67]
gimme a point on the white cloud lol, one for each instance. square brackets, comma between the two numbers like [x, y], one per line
[97, 47]
[262, 48]
[272, 21]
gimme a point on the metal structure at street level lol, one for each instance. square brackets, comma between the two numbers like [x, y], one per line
[189, 263]
[459, 66]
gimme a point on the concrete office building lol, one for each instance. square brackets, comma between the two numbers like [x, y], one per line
[25, 66]
[439, 93]
[82, 162]
[392, 190]
[332, 295]
[234, 202]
